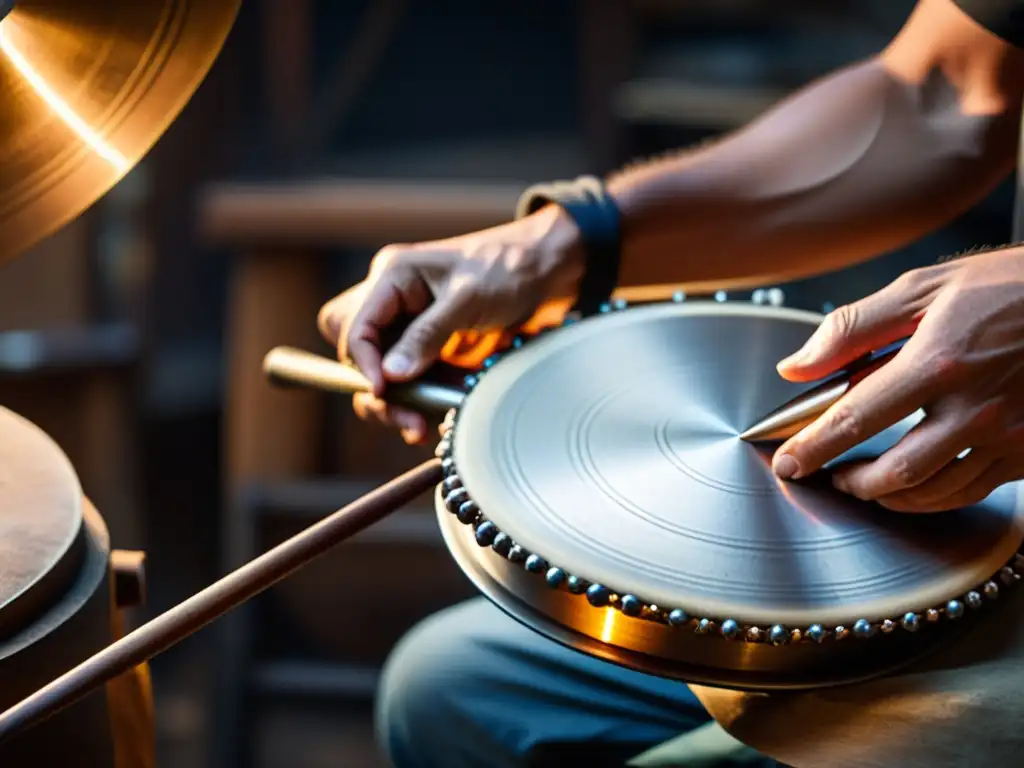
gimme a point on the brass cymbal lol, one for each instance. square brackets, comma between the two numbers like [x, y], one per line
[86, 88]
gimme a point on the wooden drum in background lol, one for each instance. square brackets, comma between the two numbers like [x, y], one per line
[60, 590]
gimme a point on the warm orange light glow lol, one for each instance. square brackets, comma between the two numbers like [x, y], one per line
[57, 104]
[608, 630]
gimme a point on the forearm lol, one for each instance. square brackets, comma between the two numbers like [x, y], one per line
[857, 164]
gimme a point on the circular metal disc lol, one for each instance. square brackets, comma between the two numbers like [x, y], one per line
[86, 88]
[41, 534]
[610, 448]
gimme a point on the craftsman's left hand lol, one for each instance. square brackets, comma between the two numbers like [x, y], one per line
[963, 365]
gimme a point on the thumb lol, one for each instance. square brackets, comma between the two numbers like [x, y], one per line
[852, 331]
[421, 343]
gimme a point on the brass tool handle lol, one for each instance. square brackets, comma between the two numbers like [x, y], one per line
[289, 366]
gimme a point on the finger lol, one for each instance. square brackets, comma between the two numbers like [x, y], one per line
[921, 453]
[421, 343]
[932, 494]
[882, 399]
[398, 291]
[854, 330]
[411, 425]
[997, 473]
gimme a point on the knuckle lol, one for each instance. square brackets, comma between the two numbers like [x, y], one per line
[909, 280]
[943, 365]
[841, 322]
[905, 472]
[845, 423]
[385, 258]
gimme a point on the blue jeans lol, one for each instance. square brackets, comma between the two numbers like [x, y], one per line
[471, 687]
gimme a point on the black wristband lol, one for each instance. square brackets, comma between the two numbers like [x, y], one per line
[589, 205]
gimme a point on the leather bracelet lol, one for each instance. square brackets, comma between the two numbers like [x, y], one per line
[589, 205]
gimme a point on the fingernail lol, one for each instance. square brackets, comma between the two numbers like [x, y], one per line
[397, 364]
[786, 466]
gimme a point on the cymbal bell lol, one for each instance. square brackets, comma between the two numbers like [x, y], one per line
[86, 88]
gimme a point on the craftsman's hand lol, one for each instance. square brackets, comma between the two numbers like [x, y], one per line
[489, 280]
[963, 365]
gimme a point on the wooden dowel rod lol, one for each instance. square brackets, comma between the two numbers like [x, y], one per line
[217, 599]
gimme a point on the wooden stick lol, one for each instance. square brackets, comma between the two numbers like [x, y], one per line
[217, 599]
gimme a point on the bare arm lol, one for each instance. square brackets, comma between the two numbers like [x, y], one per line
[857, 164]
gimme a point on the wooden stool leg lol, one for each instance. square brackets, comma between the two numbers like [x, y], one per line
[268, 434]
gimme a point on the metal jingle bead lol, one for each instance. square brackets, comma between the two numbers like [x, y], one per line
[456, 499]
[816, 632]
[754, 635]
[450, 483]
[954, 609]
[490, 361]
[842, 632]
[444, 448]
[576, 585]
[502, 544]
[554, 577]
[887, 626]
[932, 615]
[470, 381]
[991, 590]
[448, 466]
[730, 629]
[779, 635]
[973, 600]
[863, 628]
[677, 617]
[517, 554]
[517, 342]
[1006, 575]
[679, 297]
[910, 622]
[631, 605]
[702, 627]
[468, 512]
[598, 596]
[619, 304]
[486, 532]
[536, 564]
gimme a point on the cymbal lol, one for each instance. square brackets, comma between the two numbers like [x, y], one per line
[86, 88]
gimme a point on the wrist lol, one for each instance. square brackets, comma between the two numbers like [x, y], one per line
[558, 246]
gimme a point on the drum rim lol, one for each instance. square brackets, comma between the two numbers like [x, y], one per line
[951, 606]
[37, 596]
[469, 556]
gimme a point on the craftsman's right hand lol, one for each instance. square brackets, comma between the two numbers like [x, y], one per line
[490, 280]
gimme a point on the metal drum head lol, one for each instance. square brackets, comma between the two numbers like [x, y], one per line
[608, 451]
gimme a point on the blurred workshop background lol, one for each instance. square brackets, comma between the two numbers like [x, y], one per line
[326, 130]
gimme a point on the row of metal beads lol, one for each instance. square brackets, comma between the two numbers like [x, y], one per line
[458, 502]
